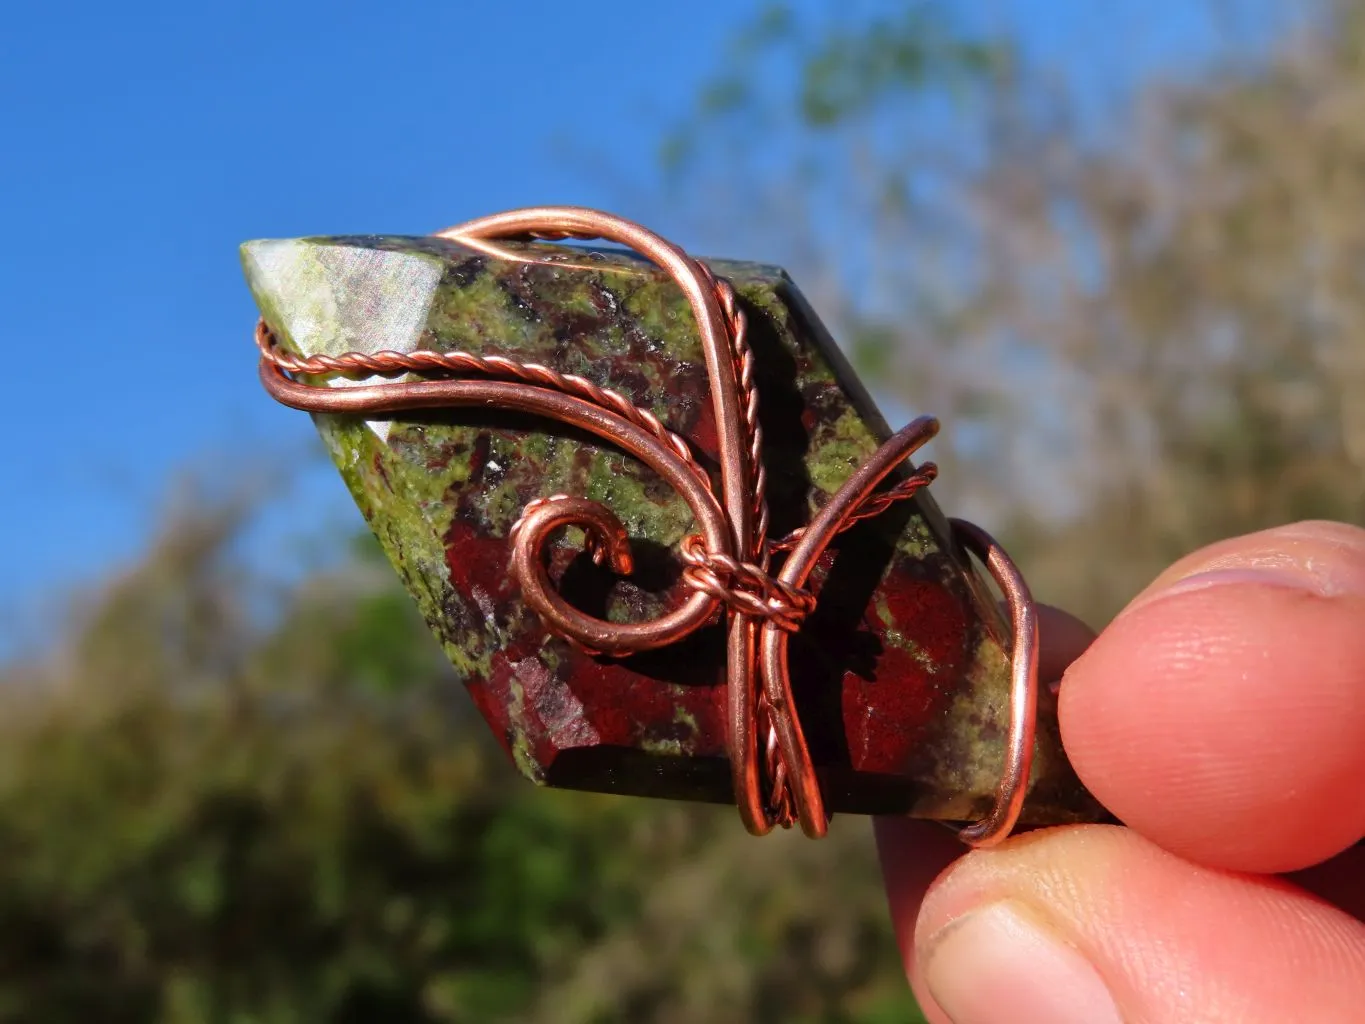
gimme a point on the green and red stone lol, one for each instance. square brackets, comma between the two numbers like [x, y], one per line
[901, 681]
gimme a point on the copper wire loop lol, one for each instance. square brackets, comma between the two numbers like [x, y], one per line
[727, 561]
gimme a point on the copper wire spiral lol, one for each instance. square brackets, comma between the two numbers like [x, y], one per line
[727, 562]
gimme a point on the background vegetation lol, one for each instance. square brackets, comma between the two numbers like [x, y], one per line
[224, 803]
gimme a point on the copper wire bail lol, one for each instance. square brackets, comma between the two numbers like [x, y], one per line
[726, 563]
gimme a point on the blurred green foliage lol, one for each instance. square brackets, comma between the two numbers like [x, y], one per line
[206, 819]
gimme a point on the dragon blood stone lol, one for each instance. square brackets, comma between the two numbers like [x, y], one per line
[901, 681]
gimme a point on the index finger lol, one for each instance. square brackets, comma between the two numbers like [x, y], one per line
[1223, 713]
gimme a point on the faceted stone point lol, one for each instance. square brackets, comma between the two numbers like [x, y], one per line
[900, 675]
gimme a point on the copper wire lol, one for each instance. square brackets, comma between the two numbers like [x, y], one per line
[727, 562]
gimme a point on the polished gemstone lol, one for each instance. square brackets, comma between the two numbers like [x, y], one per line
[900, 676]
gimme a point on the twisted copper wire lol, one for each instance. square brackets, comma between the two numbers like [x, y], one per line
[727, 563]
[744, 587]
[387, 363]
[745, 369]
[871, 506]
[780, 804]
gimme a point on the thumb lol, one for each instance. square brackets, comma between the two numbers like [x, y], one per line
[1095, 924]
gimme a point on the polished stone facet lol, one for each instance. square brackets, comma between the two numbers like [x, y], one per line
[900, 678]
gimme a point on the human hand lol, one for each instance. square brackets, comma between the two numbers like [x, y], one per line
[1221, 716]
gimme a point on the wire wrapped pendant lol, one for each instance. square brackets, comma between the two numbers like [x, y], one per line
[659, 528]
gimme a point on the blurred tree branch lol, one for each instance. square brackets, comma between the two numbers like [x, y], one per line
[1141, 339]
[211, 815]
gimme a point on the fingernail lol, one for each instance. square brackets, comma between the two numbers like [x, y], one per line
[1285, 574]
[1307, 571]
[1002, 963]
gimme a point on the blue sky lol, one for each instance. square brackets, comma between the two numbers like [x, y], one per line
[144, 141]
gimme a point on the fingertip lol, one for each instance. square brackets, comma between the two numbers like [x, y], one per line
[1094, 923]
[1221, 714]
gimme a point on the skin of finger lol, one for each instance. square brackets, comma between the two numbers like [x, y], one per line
[1172, 940]
[1226, 723]
[1062, 639]
[912, 854]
